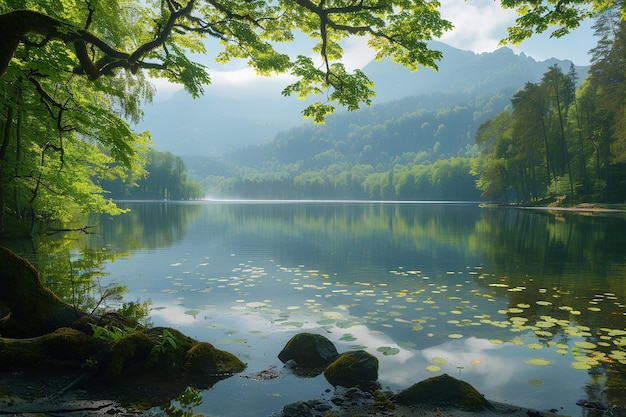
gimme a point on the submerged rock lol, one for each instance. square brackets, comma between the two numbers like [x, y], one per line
[445, 391]
[351, 369]
[309, 350]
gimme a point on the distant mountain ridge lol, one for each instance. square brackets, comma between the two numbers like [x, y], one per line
[213, 125]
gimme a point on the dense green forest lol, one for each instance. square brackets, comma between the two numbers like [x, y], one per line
[558, 141]
[164, 178]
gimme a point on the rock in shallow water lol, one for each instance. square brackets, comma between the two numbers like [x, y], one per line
[309, 350]
[354, 368]
[445, 391]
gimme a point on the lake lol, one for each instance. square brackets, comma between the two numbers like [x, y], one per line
[528, 306]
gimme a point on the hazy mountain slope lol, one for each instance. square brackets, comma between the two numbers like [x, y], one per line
[435, 126]
[229, 117]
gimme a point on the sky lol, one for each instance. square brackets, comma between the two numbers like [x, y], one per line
[479, 25]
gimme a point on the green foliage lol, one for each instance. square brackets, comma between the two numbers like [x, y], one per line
[538, 16]
[109, 332]
[164, 178]
[166, 343]
[559, 141]
[182, 406]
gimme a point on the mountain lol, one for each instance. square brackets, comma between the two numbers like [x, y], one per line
[234, 115]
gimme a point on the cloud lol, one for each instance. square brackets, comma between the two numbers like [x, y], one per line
[479, 25]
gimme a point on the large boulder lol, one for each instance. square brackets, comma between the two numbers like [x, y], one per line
[444, 391]
[309, 350]
[352, 369]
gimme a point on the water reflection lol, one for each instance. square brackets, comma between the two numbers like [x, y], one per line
[502, 298]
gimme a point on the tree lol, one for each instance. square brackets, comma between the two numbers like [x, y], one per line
[563, 16]
[102, 38]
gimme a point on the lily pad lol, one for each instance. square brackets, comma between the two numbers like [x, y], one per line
[388, 351]
[433, 368]
[193, 312]
[534, 346]
[585, 345]
[538, 362]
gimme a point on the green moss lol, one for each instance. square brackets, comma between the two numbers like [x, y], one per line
[205, 358]
[354, 368]
[70, 344]
[382, 400]
[133, 346]
[444, 390]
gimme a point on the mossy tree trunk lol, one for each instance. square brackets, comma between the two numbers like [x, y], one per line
[28, 308]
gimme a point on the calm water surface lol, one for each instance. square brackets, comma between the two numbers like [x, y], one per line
[528, 306]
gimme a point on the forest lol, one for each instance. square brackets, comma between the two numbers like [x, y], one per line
[164, 178]
[559, 141]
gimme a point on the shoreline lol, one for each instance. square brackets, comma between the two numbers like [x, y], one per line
[25, 394]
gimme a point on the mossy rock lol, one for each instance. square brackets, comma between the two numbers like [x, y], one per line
[352, 369]
[444, 391]
[309, 350]
[204, 359]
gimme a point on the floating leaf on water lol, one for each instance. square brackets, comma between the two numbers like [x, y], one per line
[475, 362]
[193, 312]
[293, 307]
[256, 304]
[594, 309]
[514, 310]
[388, 351]
[562, 351]
[535, 382]
[521, 305]
[293, 323]
[440, 361]
[407, 345]
[347, 338]
[158, 308]
[495, 341]
[587, 359]
[538, 362]
[580, 365]
[585, 345]
[544, 303]
[534, 346]
[455, 336]
[433, 368]
[543, 333]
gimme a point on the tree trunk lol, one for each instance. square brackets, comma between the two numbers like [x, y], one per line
[31, 310]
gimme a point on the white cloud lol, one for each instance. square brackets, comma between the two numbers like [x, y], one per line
[479, 25]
